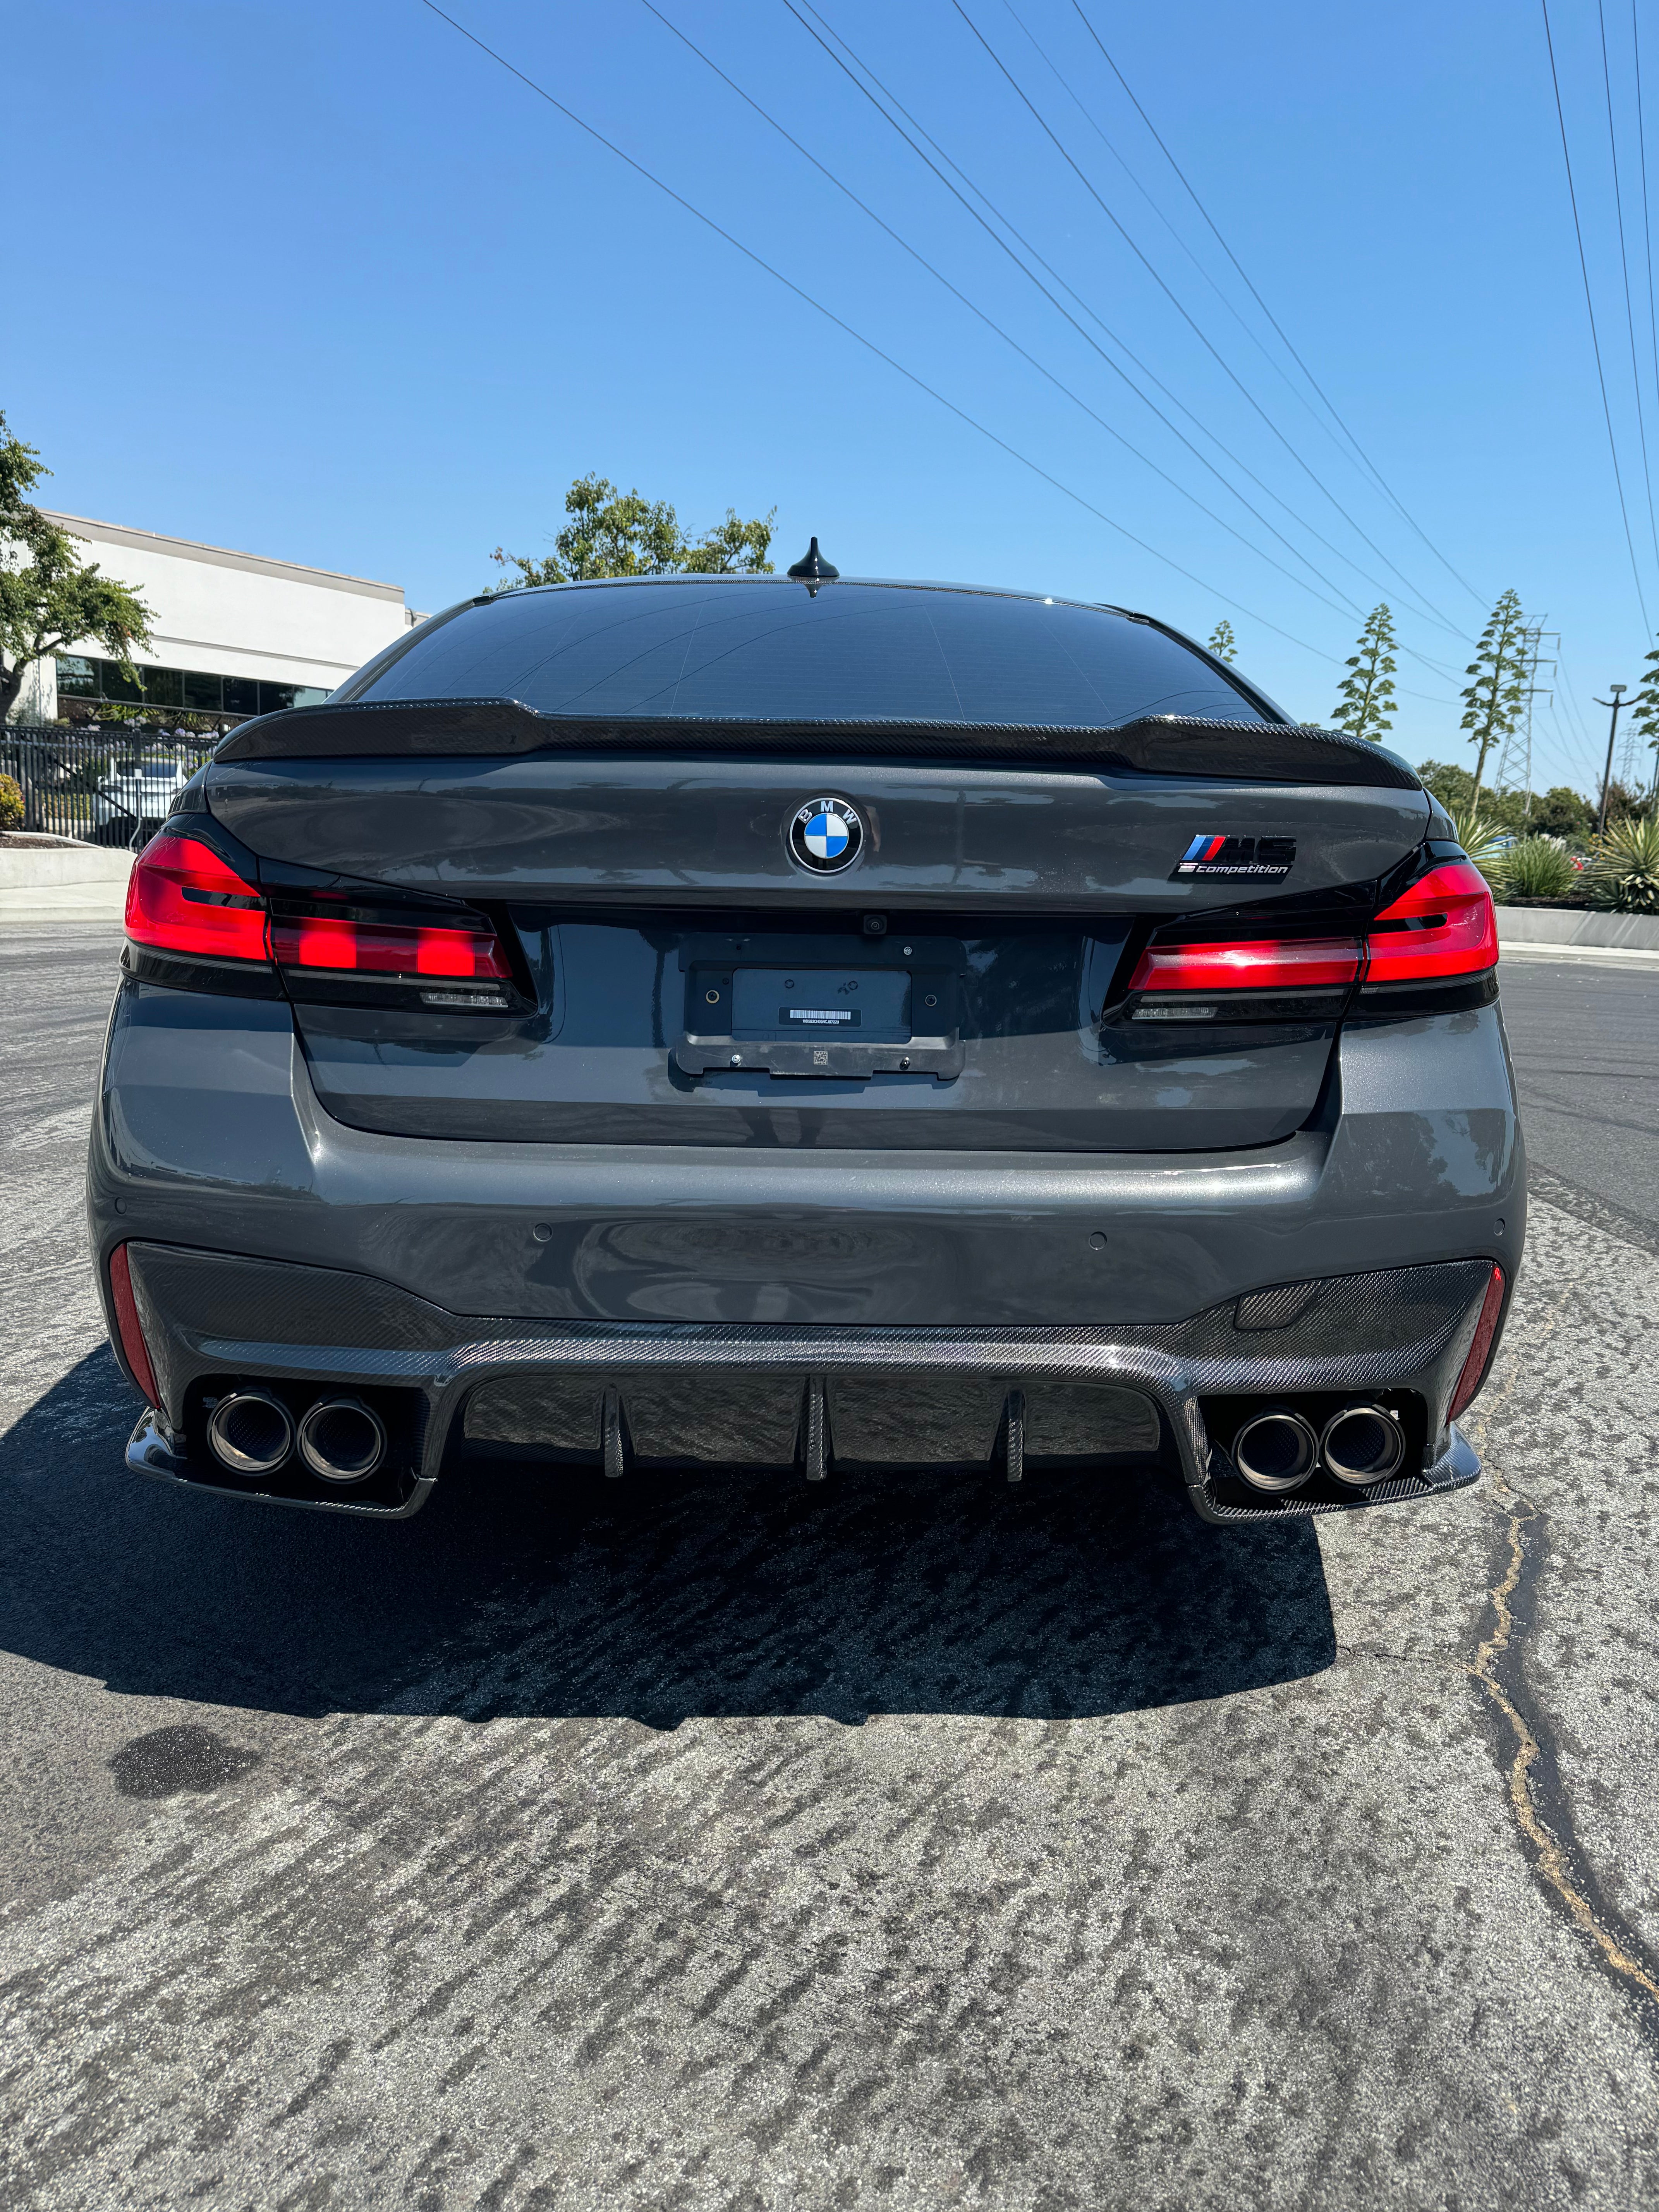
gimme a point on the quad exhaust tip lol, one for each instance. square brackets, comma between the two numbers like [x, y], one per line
[341, 1440]
[1278, 1450]
[1275, 1451]
[1362, 1444]
[251, 1433]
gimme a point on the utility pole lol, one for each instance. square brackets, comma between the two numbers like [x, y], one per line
[1615, 703]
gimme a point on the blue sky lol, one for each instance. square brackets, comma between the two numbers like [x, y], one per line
[328, 283]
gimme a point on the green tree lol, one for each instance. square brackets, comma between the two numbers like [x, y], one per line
[1222, 643]
[1564, 813]
[1493, 700]
[50, 599]
[617, 533]
[1454, 786]
[1364, 705]
[1645, 706]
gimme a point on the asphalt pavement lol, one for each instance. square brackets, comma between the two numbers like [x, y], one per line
[715, 1843]
[1584, 1038]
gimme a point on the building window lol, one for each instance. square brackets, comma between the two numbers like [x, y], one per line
[191, 688]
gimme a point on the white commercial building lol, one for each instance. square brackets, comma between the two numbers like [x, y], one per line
[234, 634]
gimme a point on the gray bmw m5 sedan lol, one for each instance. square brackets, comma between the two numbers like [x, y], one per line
[813, 1026]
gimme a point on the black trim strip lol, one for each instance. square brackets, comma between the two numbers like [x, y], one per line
[236, 979]
[1457, 994]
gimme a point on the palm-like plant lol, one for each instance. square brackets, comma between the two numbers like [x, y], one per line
[1481, 838]
[1624, 875]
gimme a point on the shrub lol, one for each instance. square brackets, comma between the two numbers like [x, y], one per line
[1538, 868]
[11, 803]
[1624, 875]
[1483, 841]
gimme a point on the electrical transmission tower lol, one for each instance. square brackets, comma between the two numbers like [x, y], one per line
[1627, 755]
[1515, 761]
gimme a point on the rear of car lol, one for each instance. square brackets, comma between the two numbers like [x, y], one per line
[814, 1026]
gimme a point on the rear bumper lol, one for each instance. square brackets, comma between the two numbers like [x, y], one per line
[211, 1134]
[1011, 1401]
[785, 1307]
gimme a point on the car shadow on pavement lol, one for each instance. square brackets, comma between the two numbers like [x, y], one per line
[551, 1592]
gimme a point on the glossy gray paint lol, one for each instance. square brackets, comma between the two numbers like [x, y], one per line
[210, 1133]
[626, 830]
[1025, 1062]
[578, 1167]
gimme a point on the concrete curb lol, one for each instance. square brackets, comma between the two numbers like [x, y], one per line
[93, 901]
[26, 868]
[64, 882]
[1627, 932]
[1633, 957]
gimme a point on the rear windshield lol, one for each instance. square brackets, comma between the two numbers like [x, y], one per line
[760, 649]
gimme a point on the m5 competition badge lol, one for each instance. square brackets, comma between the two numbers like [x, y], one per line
[1236, 859]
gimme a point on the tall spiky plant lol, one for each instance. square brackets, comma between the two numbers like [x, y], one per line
[1365, 704]
[1645, 707]
[1493, 701]
[1222, 643]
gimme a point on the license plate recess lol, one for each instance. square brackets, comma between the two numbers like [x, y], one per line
[805, 1006]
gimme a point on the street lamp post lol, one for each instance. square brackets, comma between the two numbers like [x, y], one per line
[1615, 703]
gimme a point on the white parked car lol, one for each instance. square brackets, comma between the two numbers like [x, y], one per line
[137, 795]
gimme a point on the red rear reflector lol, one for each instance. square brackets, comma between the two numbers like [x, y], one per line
[1444, 925]
[133, 1347]
[182, 898]
[380, 948]
[1474, 1367]
[1265, 964]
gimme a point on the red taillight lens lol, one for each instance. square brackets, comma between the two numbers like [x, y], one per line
[382, 948]
[1444, 925]
[128, 1328]
[1263, 964]
[1474, 1366]
[182, 898]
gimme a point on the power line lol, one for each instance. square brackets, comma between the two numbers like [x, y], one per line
[820, 36]
[1117, 155]
[1624, 264]
[1647, 222]
[1347, 606]
[1587, 750]
[854, 69]
[1387, 490]
[1277, 369]
[1227, 370]
[869, 345]
[1589, 305]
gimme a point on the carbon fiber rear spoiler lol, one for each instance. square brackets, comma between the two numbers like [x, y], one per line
[1152, 744]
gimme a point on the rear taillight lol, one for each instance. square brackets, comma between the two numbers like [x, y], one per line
[183, 898]
[1258, 964]
[128, 1328]
[341, 945]
[1474, 1367]
[1444, 925]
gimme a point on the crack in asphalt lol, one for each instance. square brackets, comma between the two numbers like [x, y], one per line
[1532, 1773]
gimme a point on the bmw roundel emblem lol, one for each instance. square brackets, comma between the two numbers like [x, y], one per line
[826, 835]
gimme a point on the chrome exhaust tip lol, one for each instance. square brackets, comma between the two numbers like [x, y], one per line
[251, 1433]
[1275, 1451]
[1362, 1444]
[341, 1440]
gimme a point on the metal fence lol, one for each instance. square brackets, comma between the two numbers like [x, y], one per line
[111, 784]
